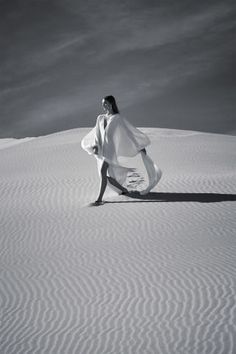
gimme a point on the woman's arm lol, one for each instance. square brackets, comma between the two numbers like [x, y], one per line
[98, 140]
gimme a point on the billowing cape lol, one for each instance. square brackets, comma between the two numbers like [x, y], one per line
[119, 138]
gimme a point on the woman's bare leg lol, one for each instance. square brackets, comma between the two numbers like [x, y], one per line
[103, 181]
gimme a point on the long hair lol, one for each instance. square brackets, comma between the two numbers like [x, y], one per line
[112, 101]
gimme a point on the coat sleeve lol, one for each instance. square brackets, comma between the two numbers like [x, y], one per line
[124, 139]
[92, 138]
[98, 138]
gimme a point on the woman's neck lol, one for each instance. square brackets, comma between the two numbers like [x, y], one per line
[110, 114]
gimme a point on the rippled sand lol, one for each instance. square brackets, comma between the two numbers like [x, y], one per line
[155, 274]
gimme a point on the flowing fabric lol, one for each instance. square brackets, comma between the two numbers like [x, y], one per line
[115, 137]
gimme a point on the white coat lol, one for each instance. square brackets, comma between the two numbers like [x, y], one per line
[115, 137]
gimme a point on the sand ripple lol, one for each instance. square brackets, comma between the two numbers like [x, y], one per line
[132, 276]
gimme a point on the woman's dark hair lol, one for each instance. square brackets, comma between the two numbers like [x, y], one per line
[112, 101]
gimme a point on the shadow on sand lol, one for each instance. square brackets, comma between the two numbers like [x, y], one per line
[177, 197]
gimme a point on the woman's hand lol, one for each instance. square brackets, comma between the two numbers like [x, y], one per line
[95, 149]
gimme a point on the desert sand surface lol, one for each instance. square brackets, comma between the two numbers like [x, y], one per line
[151, 274]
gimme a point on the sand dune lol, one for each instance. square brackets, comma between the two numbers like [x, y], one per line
[7, 142]
[155, 274]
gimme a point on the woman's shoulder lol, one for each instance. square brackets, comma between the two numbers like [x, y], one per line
[99, 117]
[115, 116]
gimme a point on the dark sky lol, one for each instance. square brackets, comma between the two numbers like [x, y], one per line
[168, 63]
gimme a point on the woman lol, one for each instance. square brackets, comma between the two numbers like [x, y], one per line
[112, 137]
